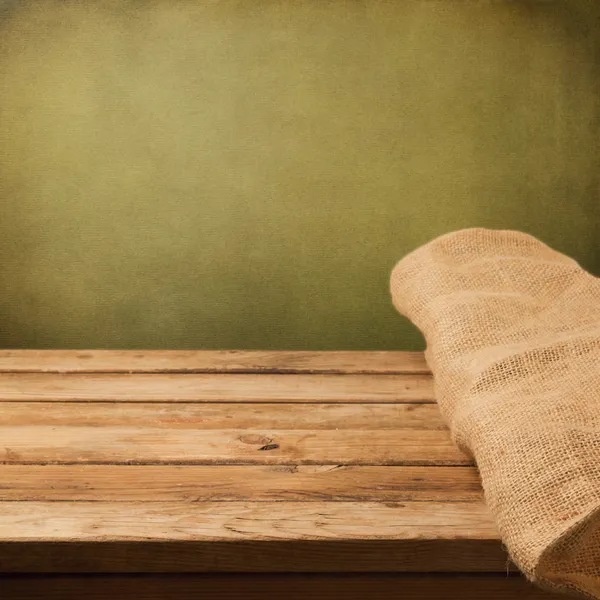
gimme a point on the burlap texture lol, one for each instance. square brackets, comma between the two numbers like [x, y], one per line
[513, 341]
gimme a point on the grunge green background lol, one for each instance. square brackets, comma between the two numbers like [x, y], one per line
[245, 174]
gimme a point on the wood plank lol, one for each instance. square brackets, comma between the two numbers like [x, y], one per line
[248, 556]
[213, 521]
[261, 587]
[215, 388]
[223, 415]
[135, 445]
[247, 537]
[238, 483]
[210, 361]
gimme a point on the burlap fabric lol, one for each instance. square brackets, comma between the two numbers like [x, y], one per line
[513, 341]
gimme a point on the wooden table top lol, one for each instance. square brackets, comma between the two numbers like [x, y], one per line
[200, 461]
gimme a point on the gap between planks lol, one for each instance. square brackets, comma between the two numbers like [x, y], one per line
[211, 361]
[215, 388]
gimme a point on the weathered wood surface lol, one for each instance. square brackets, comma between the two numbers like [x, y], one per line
[121, 462]
[248, 536]
[220, 387]
[173, 483]
[256, 521]
[210, 361]
[170, 415]
[135, 445]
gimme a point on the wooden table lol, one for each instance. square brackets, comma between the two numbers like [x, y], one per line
[237, 475]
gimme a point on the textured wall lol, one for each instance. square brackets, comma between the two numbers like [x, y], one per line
[245, 174]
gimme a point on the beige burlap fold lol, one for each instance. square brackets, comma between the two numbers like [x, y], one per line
[513, 341]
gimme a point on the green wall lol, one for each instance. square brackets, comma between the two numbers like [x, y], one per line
[245, 174]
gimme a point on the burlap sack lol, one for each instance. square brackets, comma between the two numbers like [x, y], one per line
[513, 341]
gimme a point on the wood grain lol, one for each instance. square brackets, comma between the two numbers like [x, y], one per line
[147, 445]
[214, 521]
[222, 415]
[331, 483]
[248, 537]
[209, 361]
[123, 462]
[262, 587]
[215, 388]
